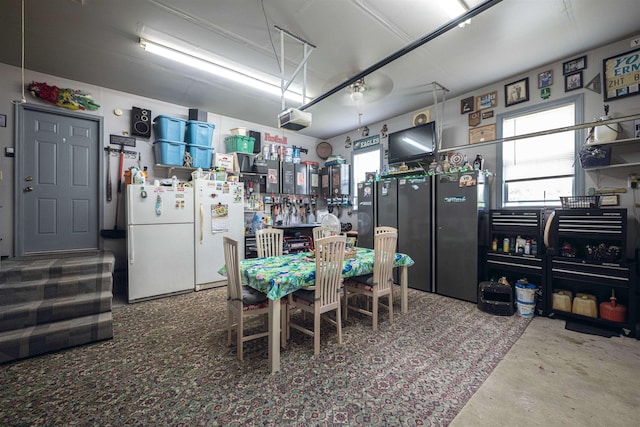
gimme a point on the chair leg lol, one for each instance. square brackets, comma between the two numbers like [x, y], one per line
[374, 311]
[239, 335]
[229, 324]
[316, 333]
[346, 304]
[391, 308]
[339, 325]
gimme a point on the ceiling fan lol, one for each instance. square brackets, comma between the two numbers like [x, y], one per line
[366, 90]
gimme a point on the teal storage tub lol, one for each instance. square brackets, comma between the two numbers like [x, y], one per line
[169, 152]
[199, 133]
[201, 156]
[169, 128]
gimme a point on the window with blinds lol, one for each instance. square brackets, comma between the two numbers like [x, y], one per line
[538, 171]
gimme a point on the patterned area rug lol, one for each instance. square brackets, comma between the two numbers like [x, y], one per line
[168, 364]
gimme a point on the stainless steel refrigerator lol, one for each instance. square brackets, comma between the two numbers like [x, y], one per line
[460, 233]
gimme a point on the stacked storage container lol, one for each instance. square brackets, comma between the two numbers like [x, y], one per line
[200, 140]
[239, 143]
[169, 145]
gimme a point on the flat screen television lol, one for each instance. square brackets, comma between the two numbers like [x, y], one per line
[412, 144]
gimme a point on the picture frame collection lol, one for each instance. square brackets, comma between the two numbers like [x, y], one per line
[620, 77]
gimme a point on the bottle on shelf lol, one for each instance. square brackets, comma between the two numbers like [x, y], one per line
[494, 244]
[505, 245]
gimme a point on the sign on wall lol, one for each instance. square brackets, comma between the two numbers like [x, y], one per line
[621, 75]
[366, 142]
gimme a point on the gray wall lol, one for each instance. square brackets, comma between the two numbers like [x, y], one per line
[455, 127]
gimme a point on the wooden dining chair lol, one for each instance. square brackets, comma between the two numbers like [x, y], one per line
[242, 301]
[320, 232]
[377, 285]
[326, 296]
[385, 229]
[269, 242]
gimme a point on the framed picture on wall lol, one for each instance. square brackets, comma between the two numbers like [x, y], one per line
[573, 81]
[488, 100]
[516, 92]
[574, 65]
[3, 121]
[482, 134]
[621, 75]
[466, 105]
[545, 79]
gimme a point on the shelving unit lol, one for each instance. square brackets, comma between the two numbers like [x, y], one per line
[510, 223]
[573, 267]
[171, 168]
[614, 145]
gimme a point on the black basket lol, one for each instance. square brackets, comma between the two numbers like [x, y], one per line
[580, 202]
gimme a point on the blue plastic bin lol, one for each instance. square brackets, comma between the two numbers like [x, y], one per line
[169, 152]
[169, 128]
[199, 133]
[201, 155]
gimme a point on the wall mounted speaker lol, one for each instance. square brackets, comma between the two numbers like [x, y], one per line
[258, 140]
[140, 122]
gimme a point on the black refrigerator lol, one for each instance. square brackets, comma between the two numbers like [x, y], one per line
[405, 203]
[366, 213]
[460, 233]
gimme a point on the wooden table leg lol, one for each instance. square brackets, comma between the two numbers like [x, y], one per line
[404, 287]
[274, 335]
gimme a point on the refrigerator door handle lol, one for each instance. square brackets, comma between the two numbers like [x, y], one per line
[130, 244]
[201, 223]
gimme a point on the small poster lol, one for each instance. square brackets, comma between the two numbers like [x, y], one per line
[219, 218]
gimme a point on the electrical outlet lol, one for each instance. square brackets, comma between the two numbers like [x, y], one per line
[632, 181]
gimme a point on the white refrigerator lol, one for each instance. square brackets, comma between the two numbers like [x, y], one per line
[159, 241]
[219, 212]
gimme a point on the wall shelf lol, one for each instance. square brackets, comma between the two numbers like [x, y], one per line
[614, 144]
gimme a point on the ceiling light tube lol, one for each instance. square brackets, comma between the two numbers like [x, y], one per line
[454, 9]
[207, 65]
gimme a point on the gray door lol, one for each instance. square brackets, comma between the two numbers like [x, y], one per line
[387, 203]
[458, 213]
[414, 228]
[58, 182]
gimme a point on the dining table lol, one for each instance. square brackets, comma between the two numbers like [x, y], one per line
[279, 276]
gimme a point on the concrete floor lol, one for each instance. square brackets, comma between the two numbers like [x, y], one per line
[555, 377]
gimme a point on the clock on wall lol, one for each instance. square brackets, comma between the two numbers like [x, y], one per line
[324, 150]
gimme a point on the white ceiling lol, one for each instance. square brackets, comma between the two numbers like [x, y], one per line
[97, 42]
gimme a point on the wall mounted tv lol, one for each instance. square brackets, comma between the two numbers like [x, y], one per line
[412, 144]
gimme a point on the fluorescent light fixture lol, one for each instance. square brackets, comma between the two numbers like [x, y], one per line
[219, 68]
[454, 8]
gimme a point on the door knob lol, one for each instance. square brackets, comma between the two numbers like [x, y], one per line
[27, 189]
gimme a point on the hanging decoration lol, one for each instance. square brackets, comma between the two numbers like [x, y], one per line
[65, 98]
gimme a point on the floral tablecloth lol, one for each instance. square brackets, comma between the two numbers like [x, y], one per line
[281, 275]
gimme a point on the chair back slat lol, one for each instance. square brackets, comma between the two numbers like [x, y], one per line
[269, 242]
[320, 232]
[232, 262]
[385, 229]
[329, 254]
[384, 245]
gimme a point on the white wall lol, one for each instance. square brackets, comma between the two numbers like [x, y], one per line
[109, 100]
